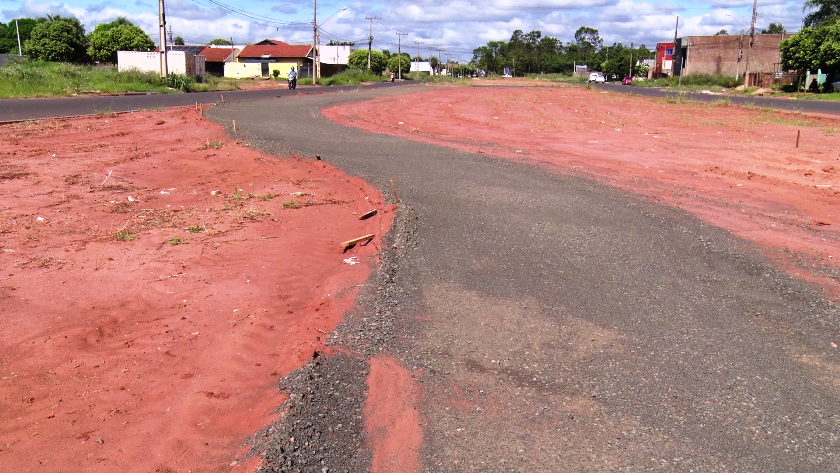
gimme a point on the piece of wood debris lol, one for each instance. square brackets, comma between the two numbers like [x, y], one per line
[352, 242]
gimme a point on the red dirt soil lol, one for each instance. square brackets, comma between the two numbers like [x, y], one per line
[735, 167]
[391, 417]
[161, 350]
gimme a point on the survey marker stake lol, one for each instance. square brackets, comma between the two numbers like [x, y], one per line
[394, 190]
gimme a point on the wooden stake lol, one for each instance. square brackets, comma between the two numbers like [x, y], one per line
[234, 126]
[352, 242]
[196, 106]
[223, 98]
[368, 214]
[797, 137]
[394, 189]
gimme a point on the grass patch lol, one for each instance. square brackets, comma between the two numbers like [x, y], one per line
[268, 197]
[348, 77]
[105, 111]
[291, 205]
[176, 241]
[678, 99]
[195, 229]
[215, 144]
[692, 82]
[125, 236]
[830, 131]
[20, 78]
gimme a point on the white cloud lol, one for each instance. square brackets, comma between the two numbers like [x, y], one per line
[458, 26]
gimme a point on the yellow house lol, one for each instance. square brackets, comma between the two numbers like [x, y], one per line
[263, 58]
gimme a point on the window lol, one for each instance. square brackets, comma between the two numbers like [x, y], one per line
[669, 51]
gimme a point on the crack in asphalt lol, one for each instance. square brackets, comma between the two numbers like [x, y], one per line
[557, 324]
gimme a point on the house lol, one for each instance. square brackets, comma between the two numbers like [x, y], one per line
[177, 62]
[727, 55]
[261, 59]
[216, 56]
[664, 60]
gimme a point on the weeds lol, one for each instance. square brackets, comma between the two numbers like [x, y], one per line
[291, 205]
[196, 229]
[105, 111]
[215, 144]
[176, 241]
[679, 98]
[125, 236]
[268, 197]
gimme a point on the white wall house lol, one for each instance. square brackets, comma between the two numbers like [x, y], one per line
[422, 66]
[177, 62]
[334, 54]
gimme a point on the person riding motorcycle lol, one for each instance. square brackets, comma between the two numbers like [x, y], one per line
[292, 78]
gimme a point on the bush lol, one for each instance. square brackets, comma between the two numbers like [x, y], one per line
[350, 76]
[180, 82]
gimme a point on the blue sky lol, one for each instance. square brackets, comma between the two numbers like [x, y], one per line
[454, 26]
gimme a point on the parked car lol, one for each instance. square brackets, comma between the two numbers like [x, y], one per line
[597, 77]
[627, 81]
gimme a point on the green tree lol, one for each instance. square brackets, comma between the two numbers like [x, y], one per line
[57, 40]
[8, 34]
[399, 62]
[118, 35]
[588, 41]
[178, 41]
[359, 60]
[813, 48]
[823, 11]
[221, 41]
[722, 33]
[774, 28]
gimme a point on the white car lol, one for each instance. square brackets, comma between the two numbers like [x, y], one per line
[597, 77]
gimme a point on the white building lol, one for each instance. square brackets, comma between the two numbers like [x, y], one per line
[177, 62]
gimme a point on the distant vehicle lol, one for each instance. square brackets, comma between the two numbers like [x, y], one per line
[597, 77]
[627, 81]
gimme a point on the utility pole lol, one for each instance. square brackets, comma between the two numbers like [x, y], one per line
[631, 59]
[164, 68]
[418, 43]
[399, 52]
[314, 42]
[740, 55]
[20, 50]
[674, 49]
[749, 52]
[171, 42]
[439, 61]
[370, 34]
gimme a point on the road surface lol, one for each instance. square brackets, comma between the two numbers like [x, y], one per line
[557, 324]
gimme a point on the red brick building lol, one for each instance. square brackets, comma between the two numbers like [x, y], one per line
[726, 55]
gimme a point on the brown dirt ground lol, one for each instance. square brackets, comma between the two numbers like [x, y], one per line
[735, 167]
[162, 351]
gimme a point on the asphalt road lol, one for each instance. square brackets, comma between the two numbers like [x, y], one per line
[557, 324]
[31, 109]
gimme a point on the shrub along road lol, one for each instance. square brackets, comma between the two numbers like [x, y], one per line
[556, 324]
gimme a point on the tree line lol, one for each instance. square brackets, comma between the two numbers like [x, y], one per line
[63, 39]
[528, 53]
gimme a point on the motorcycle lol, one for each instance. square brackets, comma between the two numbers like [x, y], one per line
[292, 83]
